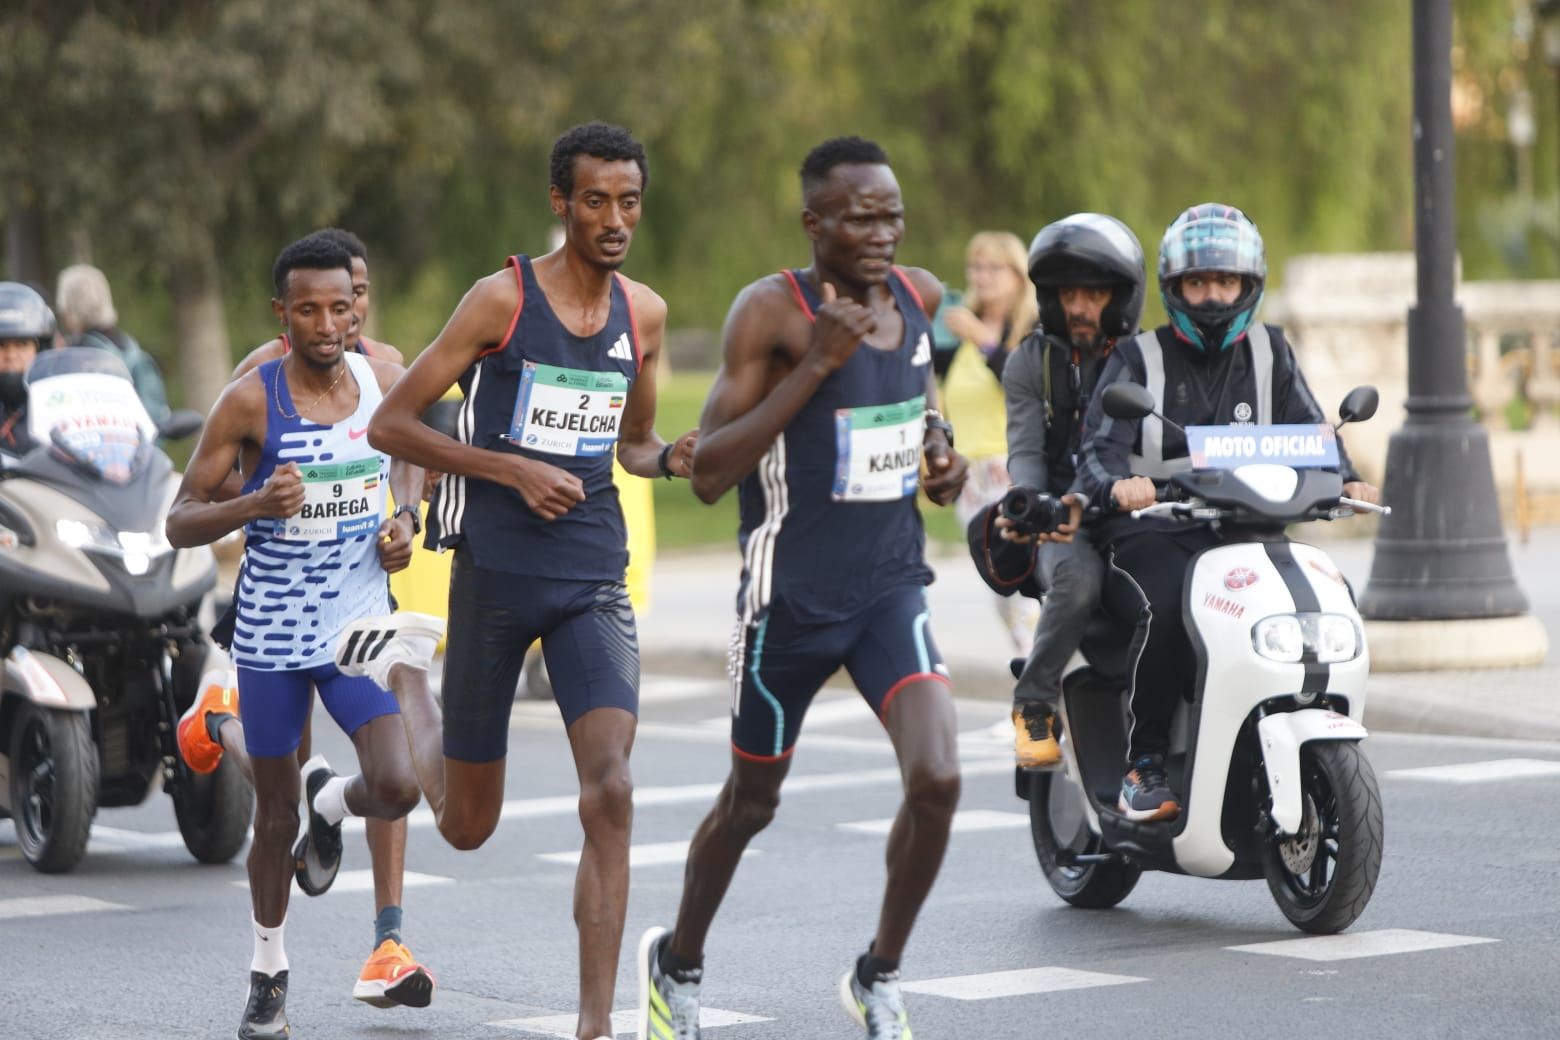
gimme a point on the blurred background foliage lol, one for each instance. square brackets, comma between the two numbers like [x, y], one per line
[179, 145]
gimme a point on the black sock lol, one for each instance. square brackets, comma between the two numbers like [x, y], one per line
[680, 969]
[214, 721]
[387, 925]
[871, 968]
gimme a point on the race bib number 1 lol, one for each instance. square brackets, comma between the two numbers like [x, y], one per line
[567, 411]
[878, 451]
[340, 500]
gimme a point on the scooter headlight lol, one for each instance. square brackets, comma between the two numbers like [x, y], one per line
[1306, 636]
[79, 535]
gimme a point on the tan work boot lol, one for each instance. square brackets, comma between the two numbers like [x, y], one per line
[1034, 744]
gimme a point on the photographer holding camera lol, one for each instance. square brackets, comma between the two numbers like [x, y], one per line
[1088, 275]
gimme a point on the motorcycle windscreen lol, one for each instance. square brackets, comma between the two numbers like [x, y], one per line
[81, 400]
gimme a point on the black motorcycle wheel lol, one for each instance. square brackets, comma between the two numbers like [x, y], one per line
[54, 779]
[1323, 876]
[213, 811]
[1059, 830]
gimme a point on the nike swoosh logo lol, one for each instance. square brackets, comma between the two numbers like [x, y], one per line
[355, 434]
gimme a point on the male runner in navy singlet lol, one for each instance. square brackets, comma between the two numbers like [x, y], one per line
[557, 359]
[821, 415]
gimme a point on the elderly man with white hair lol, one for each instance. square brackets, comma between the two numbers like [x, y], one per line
[87, 318]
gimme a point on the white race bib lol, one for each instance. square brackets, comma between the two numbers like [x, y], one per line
[340, 500]
[568, 411]
[878, 451]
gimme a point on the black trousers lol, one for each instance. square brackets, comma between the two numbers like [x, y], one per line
[1145, 591]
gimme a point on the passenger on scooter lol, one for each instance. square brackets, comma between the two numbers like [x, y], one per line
[1088, 274]
[1211, 365]
[26, 327]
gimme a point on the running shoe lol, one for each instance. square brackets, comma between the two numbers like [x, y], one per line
[880, 1009]
[392, 977]
[1034, 743]
[265, 1016]
[218, 695]
[1145, 792]
[668, 1007]
[371, 645]
[317, 856]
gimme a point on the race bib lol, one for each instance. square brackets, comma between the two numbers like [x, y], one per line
[567, 411]
[340, 500]
[878, 451]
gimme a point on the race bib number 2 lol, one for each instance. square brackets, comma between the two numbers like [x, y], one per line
[340, 500]
[878, 451]
[568, 411]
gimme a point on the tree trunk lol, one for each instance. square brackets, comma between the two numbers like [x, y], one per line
[205, 360]
[26, 238]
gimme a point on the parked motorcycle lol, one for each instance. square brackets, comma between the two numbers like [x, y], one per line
[1267, 750]
[99, 622]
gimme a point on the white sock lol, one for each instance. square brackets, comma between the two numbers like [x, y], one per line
[270, 956]
[331, 802]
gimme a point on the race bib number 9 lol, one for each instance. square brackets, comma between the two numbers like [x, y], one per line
[340, 500]
[878, 451]
[567, 411]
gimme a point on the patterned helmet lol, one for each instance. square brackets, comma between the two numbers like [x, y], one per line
[24, 315]
[1212, 237]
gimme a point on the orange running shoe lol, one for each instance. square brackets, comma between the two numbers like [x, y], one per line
[391, 976]
[218, 693]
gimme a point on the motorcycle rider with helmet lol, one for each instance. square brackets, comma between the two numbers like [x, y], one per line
[26, 328]
[1088, 274]
[1212, 364]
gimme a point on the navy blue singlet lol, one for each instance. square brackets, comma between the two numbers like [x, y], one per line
[549, 395]
[828, 517]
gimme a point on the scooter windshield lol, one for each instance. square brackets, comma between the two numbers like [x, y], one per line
[81, 400]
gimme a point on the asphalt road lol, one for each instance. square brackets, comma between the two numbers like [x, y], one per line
[1458, 941]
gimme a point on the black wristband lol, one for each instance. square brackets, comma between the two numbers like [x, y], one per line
[666, 453]
[411, 511]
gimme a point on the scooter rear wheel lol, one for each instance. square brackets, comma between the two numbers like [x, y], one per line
[1060, 833]
[1323, 877]
[54, 780]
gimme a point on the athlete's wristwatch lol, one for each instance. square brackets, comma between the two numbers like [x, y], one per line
[935, 421]
[416, 518]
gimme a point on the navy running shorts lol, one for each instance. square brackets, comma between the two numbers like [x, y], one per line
[589, 641]
[275, 705]
[778, 665]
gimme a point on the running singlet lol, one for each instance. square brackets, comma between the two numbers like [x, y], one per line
[305, 577]
[548, 395]
[828, 517]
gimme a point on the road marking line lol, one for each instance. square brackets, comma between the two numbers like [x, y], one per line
[652, 854]
[363, 881]
[121, 839]
[1019, 983]
[50, 906]
[964, 820]
[1381, 943]
[1479, 772]
[622, 1022]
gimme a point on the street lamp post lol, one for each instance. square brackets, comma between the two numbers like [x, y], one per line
[1441, 554]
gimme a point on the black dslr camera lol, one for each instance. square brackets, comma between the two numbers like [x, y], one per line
[1033, 512]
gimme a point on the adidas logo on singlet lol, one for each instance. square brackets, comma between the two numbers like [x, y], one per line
[622, 349]
[923, 351]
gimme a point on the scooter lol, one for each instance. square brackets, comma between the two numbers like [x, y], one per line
[1267, 751]
[99, 622]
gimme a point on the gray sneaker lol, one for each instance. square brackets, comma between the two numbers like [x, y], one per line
[880, 1010]
[668, 1008]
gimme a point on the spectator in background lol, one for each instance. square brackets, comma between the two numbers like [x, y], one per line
[88, 319]
[997, 312]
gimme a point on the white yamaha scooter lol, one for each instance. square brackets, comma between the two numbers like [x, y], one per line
[1267, 751]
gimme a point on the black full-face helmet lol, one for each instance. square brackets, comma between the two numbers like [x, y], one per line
[24, 315]
[1089, 249]
[1212, 238]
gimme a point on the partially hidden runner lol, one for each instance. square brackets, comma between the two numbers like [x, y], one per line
[557, 360]
[822, 415]
[317, 551]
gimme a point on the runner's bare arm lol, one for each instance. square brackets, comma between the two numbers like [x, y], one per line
[639, 448]
[946, 469]
[406, 478]
[257, 357]
[479, 323]
[196, 518]
[741, 420]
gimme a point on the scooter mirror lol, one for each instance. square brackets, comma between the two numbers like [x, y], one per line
[181, 424]
[1358, 405]
[1127, 401]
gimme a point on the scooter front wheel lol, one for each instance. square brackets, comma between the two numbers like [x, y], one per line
[1061, 836]
[1323, 876]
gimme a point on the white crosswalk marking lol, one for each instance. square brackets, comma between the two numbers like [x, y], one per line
[1480, 772]
[1381, 943]
[653, 854]
[1015, 983]
[964, 820]
[51, 906]
[622, 1022]
[363, 881]
[105, 839]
